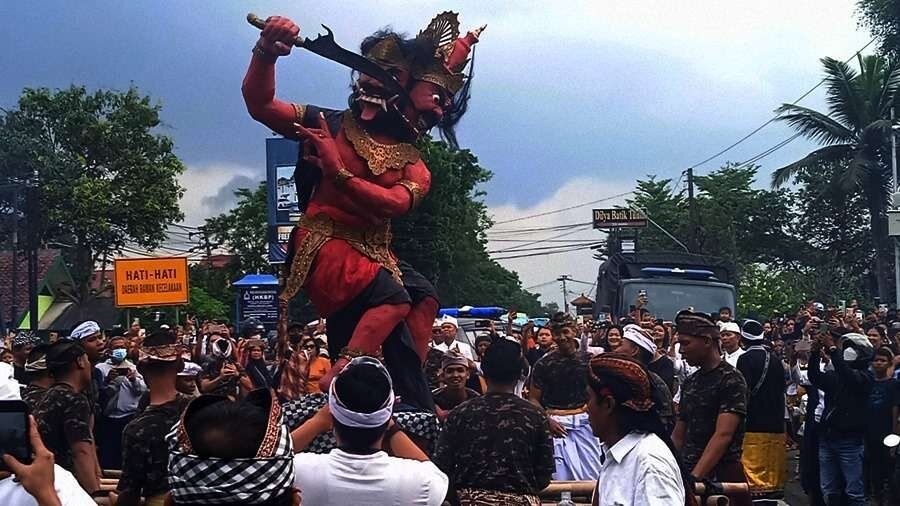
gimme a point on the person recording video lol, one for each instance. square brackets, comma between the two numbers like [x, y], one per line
[222, 375]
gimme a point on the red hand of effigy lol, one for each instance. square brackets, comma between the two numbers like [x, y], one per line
[325, 153]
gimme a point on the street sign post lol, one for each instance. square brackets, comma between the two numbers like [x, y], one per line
[619, 218]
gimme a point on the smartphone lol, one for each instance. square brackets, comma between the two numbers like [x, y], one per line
[843, 304]
[122, 371]
[14, 438]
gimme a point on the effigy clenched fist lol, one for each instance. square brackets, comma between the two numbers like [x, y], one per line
[278, 35]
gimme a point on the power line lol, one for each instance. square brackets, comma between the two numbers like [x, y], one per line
[518, 248]
[526, 255]
[543, 248]
[555, 211]
[537, 229]
[777, 116]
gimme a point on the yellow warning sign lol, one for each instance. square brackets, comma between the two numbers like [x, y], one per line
[151, 281]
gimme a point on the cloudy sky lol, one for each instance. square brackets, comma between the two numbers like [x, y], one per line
[572, 100]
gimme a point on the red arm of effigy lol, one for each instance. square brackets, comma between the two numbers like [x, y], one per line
[396, 200]
[259, 96]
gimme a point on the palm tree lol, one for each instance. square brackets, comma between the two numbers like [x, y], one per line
[855, 131]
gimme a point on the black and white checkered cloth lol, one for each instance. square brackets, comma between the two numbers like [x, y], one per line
[419, 424]
[206, 480]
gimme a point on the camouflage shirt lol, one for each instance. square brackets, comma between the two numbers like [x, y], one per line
[64, 418]
[145, 456]
[496, 442]
[32, 394]
[445, 401]
[704, 396]
[562, 380]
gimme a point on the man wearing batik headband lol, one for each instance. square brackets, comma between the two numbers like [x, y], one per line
[21, 347]
[713, 409]
[145, 455]
[360, 405]
[764, 459]
[39, 379]
[640, 467]
[232, 453]
[455, 371]
[358, 169]
[559, 385]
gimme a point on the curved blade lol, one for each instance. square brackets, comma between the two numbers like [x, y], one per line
[326, 47]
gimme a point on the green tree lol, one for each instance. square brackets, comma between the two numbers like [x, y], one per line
[105, 177]
[882, 18]
[835, 249]
[741, 223]
[242, 230]
[765, 292]
[205, 307]
[856, 131]
[666, 209]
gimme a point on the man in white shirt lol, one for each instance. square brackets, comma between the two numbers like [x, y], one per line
[640, 467]
[730, 341]
[446, 340]
[358, 471]
[123, 387]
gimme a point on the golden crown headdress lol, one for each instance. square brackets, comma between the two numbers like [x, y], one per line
[451, 52]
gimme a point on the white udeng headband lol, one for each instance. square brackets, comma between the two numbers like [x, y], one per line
[345, 416]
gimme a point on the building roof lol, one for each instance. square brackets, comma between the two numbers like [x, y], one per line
[582, 300]
[47, 258]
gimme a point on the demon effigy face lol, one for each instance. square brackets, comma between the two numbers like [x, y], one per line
[430, 69]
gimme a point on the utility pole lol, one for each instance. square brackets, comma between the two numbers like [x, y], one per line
[692, 209]
[894, 205]
[564, 278]
[33, 206]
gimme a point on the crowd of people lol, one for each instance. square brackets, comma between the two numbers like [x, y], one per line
[646, 409]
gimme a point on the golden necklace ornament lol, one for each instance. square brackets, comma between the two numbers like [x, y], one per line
[380, 157]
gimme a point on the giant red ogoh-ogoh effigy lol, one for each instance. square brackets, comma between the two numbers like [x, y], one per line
[358, 168]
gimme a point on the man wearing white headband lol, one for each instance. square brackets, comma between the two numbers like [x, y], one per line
[730, 341]
[359, 471]
[446, 340]
[637, 344]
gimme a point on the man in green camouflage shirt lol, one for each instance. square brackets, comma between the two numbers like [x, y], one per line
[497, 448]
[145, 454]
[710, 427]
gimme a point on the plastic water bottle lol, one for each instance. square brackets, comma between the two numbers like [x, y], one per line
[566, 499]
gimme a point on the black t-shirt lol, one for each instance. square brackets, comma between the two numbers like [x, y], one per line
[535, 354]
[665, 369]
[885, 395]
[562, 380]
[765, 410]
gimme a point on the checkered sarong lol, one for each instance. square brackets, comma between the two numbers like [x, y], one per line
[208, 480]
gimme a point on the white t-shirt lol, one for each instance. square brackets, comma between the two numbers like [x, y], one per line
[463, 348]
[640, 470]
[67, 488]
[732, 358]
[339, 478]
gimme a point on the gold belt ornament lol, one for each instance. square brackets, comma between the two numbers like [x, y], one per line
[373, 243]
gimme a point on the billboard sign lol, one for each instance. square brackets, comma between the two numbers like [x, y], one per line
[151, 281]
[281, 195]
